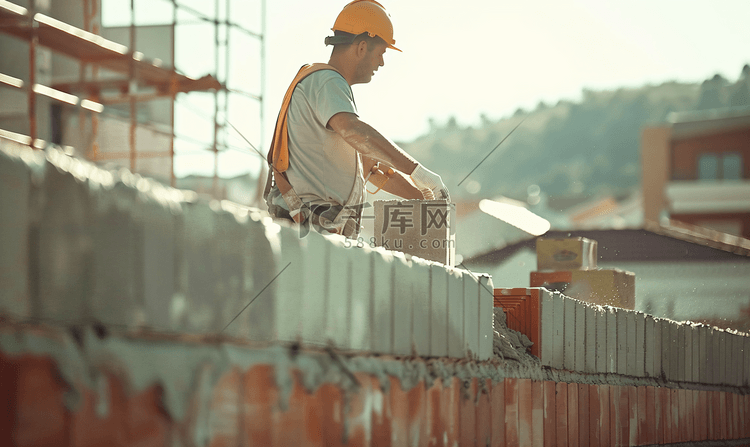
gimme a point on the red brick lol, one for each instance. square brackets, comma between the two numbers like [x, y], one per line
[358, 415]
[399, 404]
[433, 414]
[736, 415]
[9, 374]
[511, 412]
[573, 427]
[468, 425]
[226, 410]
[713, 415]
[498, 414]
[416, 423]
[723, 415]
[451, 404]
[260, 397]
[331, 406]
[37, 404]
[550, 428]
[525, 411]
[640, 415]
[484, 415]
[632, 415]
[90, 429]
[623, 416]
[677, 426]
[594, 416]
[147, 424]
[381, 413]
[604, 416]
[704, 414]
[583, 415]
[561, 414]
[537, 413]
[614, 399]
[649, 422]
[292, 414]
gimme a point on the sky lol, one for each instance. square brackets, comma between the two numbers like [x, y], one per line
[469, 58]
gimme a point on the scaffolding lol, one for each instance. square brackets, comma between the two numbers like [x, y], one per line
[144, 79]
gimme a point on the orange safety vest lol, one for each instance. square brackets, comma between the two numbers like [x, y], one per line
[278, 155]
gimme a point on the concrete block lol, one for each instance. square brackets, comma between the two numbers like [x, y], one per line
[590, 339]
[580, 343]
[418, 227]
[680, 344]
[438, 311]
[486, 316]
[649, 346]
[317, 261]
[557, 359]
[702, 354]
[666, 347]
[16, 226]
[566, 254]
[65, 248]
[471, 315]
[622, 341]
[640, 344]
[338, 293]
[688, 347]
[546, 326]
[696, 355]
[676, 351]
[746, 360]
[657, 347]
[631, 346]
[361, 299]
[290, 288]
[382, 302]
[712, 352]
[455, 313]
[600, 319]
[403, 305]
[612, 348]
[722, 357]
[420, 277]
[159, 269]
[569, 335]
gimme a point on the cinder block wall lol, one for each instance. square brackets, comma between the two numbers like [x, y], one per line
[83, 245]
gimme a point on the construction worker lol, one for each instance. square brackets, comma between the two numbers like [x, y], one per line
[322, 154]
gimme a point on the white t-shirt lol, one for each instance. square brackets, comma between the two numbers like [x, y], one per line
[322, 166]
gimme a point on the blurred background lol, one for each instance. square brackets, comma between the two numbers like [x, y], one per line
[631, 113]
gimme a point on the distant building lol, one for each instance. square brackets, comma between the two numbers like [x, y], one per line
[696, 169]
[682, 272]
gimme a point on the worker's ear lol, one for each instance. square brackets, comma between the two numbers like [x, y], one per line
[361, 49]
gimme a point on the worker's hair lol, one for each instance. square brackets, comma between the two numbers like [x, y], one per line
[371, 41]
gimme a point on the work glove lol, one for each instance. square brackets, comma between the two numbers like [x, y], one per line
[429, 183]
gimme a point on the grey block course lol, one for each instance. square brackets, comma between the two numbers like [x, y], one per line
[696, 354]
[486, 316]
[722, 357]
[16, 195]
[712, 351]
[688, 348]
[471, 315]
[420, 278]
[338, 294]
[622, 341]
[612, 346]
[382, 301]
[657, 347]
[632, 347]
[558, 332]
[640, 344]
[361, 296]
[547, 328]
[666, 347]
[455, 313]
[702, 354]
[403, 305]
[648, 346]
[317, 255]
[590, 339]
[580, 340]
[600, 319]
[675, 351]
[438, 311]
[569, 350]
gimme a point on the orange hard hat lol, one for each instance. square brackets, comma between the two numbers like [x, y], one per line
[366, 16]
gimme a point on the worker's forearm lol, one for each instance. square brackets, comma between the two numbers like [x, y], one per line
[371, 143]
[399, 186]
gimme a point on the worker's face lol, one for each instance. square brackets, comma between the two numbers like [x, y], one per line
[372, 59]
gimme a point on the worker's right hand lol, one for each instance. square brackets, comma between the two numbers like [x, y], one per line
[429, 183]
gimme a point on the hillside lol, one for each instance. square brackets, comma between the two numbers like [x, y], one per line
[570, 149]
